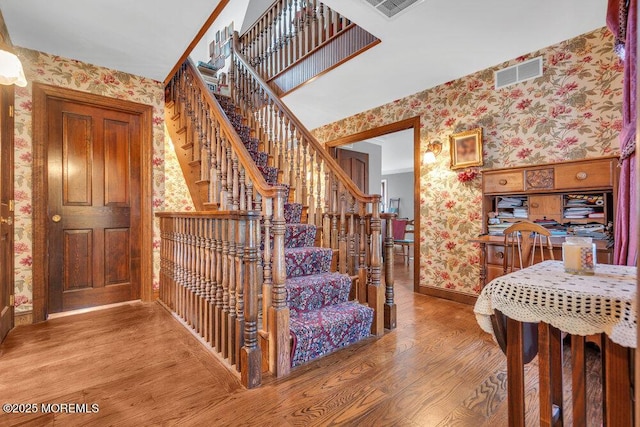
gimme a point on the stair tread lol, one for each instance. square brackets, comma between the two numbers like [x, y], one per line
[324, 314]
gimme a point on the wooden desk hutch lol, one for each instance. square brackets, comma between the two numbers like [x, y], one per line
[549, 192]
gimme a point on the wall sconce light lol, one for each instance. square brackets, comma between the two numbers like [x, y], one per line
[433, 149]
[11, 71]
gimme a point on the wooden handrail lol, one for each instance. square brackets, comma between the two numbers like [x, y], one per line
[247, 162]
[335, 168]
[197, 214]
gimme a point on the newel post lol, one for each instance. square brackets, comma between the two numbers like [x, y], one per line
[390, 316]
[279, 339]
[250, 354]
[375, 295]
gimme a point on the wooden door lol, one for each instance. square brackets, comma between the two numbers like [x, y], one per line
[6, 210]
[356, 165]
[94, 205]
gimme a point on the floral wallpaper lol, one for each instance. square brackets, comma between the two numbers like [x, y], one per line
[177, 197]
[63, 72]
[571, 112]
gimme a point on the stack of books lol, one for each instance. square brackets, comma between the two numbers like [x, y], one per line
[498, 229]
[578, 212]
[514, 208]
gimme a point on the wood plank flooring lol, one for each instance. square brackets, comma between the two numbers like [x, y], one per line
[141, 367]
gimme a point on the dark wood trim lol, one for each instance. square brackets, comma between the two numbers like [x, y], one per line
[41, 94]
[411, 123]
[205, 27]
[417, 164]
[446, 294]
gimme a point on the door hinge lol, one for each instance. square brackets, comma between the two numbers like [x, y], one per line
[10, 110]
[12, 205]
[12, 300]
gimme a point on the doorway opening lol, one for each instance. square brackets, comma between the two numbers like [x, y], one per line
[402, 177]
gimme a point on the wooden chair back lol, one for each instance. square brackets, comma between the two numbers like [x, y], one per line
[394, 205]
[399, 228]
[526, 243]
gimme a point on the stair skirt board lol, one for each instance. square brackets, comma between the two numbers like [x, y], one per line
[322, 319]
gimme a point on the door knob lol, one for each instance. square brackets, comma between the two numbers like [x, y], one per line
[56, 218]
[8, 220]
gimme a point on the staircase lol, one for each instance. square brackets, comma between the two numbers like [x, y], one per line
[322, 319]
[281, 262]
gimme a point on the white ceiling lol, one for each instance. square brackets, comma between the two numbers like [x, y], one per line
[141, 37]
[434, 42]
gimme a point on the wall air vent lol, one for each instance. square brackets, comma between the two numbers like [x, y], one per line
[391, 8]
[518, 73]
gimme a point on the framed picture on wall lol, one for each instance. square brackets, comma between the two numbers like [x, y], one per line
[466, 148]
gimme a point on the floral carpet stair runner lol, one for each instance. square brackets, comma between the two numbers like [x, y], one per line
[322, 319]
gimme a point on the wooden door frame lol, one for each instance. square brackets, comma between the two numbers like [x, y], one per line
[41, 94]
[411, 123]
[7, 129]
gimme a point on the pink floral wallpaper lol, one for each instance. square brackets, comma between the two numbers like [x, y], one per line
[572, 112]
[63, 72]
[177, 197]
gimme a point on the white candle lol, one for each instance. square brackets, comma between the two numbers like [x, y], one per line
[571, 254]
[579, 254]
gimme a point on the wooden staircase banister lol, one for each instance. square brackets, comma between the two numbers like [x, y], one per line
[344, 179]
[254, 174]
[272, 205]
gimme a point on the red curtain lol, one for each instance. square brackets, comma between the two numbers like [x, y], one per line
[622, 21]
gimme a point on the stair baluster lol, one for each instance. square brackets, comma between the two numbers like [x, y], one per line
[219, 237]
[209, 282]
[239, 321]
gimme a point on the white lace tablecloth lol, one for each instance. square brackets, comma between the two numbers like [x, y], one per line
[578, 305]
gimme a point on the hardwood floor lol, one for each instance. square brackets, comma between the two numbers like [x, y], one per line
[141, 367]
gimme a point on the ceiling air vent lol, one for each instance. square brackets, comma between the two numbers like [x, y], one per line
[518, 73]
[391, 8]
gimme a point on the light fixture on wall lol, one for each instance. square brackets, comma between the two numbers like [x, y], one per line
[10, 66]
[433, 149]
